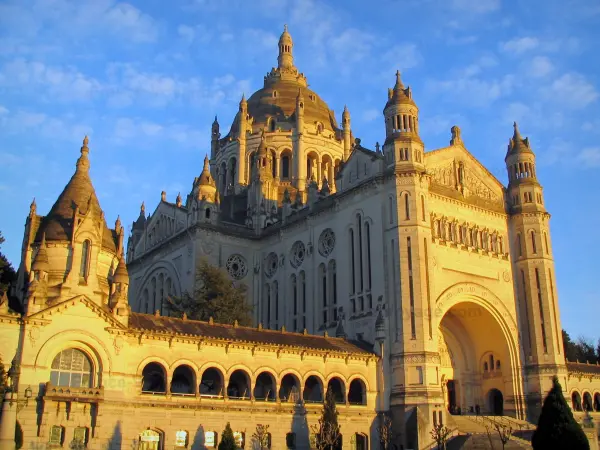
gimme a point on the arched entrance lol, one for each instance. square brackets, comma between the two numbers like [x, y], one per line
[150, 440]
[496, 402]
[470, 330]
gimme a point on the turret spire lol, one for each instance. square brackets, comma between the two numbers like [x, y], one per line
[285, 59]
[399, 84]
[83, 162]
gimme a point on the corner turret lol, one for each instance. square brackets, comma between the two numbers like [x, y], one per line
[403, 147]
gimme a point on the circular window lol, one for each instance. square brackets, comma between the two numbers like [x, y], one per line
[326, 242]
[271, 264]
[297, 254]
[236, 266]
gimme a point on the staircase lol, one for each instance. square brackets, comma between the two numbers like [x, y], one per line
[474, 434]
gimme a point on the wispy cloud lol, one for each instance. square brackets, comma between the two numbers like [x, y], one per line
[520, 45]
[590, 157]
[572, 90]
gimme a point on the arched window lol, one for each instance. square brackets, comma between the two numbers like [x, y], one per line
[357, 392]
[303, 297]
[294, 288]
[337, 387]
[407, 206]
[264, 387]
[285, 167]
[597, 402]
[313, 390]
[368, 242]
[323, 289]
[533, 247]
[71, 367]
[211, 384]
[239, 385]
[519, 245]
[587, 402]
[360, 252]
[423, 208]
[352, 261]
[84, 269]
[546, 242]
[576, 401]
[183, 381]
[207, 213]
[485, 367]
[154, 378]
[290, 389]
[332, 281]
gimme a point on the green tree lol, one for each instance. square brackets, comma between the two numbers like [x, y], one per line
[215, 295]
[227, 439]
[327, 431]
[261, 437]
[571, 351]
[7, 272]
[557, 428]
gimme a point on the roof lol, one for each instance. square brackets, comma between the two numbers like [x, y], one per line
[79, 192]
[517, 144]
[399, 94]
[243, 334]
[592, 369]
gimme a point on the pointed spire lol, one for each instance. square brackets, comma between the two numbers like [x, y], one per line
[41, 263]
[243, 102]
[83, 162]
[516, 133]
[398, 84]
[32, 208]
[178, 199]
[216, 122]
[118, 224]
[206, 164]
[262, 147]
[121, 275]
[143, 210]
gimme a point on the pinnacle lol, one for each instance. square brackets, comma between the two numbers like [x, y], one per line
[399, 84]
[83, 163]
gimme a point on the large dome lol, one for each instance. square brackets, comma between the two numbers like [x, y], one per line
[277, 99]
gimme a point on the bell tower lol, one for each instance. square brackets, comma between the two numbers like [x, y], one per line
[416, 394]
[533, 274]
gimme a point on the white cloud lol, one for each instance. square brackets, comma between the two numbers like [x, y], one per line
[126, 129]
[572, 90]
[369, 115]
[516, 112]
[590, 157]
[60, 82]
[402, 56]
[352, 45]
[520, 45]
[60, 128]
[3, 110]
[473, 91]
[538, 67]
[476, 6]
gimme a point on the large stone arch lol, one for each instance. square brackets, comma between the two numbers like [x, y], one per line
[455, 311]
[155, 269]
[81, 340]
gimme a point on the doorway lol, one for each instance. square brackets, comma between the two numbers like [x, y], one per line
[451, 388]
[150, 440]
[496, 402]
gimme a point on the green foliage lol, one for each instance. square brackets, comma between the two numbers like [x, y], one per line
[261, 437]
[557, 428]
[582, 350]
[227, 439]
[7, 272]
[216, 296]
[327, 432]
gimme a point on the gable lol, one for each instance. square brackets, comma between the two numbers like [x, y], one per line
[77, 308]
[361, 165]
[454, 171]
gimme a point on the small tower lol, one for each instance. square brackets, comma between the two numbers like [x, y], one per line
[533, 274]
[237, 175]
[118, 294]
[403, 147]
[285, 60]
[215, 135]
[37, 292]
[347, 133]
[298, 142]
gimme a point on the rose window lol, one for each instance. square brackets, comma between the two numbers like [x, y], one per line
[297, 254]
[326, 242]
[271, 264]
[236, 266]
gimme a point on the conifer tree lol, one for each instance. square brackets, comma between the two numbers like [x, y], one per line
[216, 296]
[327, 432]
[227, 439]
[557, 428]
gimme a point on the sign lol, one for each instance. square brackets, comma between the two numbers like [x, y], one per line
[209, 439]
[149, 436]
[181, 438]
[239, 439]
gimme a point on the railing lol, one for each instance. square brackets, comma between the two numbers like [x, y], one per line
[77, 394]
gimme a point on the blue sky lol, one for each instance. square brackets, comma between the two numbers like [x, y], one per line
[145, 81]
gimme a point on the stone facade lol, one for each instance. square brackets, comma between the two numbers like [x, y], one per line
[436, 279]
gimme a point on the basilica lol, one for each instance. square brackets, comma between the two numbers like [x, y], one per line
[411, 283]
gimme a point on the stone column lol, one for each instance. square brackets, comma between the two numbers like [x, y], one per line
[9, 421]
